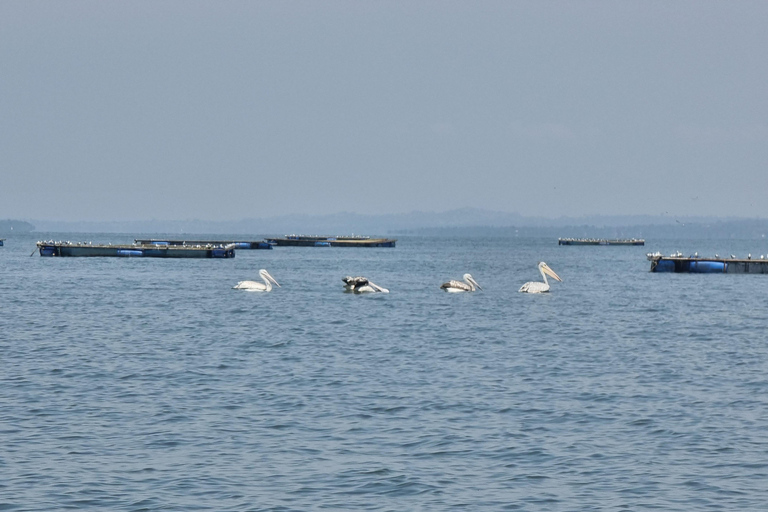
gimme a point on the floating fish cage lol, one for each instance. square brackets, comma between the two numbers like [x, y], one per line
[600, 241]
[331, 241]
[697, 265]
[87, 249]
[239, 244]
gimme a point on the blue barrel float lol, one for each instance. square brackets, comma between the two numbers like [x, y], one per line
[223, 252]
[48, 250]
[130, 253]
[696, 264]
[663, 266]
[688, 265]
[707, 267]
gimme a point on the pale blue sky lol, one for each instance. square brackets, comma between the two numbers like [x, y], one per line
[223, 110]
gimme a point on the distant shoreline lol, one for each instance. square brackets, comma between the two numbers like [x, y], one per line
[466, 222]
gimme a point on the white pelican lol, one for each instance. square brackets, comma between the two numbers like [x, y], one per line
[255, 286]
[537, 286]
[361, 285]
[350, 282]
[468, 285]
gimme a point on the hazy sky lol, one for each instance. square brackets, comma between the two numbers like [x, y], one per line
[224, 110]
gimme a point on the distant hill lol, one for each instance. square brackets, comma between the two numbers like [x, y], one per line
[461, 222]
[740, 229]
[15, 226]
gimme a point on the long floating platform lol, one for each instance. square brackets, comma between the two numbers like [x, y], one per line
[600, 241]
[331, 241]
[86, 249]
[239, 244]
[695, 265]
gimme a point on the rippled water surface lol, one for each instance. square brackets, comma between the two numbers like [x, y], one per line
[149, 384]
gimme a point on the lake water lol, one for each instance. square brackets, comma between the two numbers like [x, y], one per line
[149, 384]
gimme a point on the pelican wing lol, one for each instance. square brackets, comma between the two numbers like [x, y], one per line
[250, 285]
[456, 286]
[534, 287]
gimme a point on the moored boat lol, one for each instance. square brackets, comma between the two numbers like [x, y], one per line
[87, 249]
[239, 244]
[680, 264]
[600, 241]
[331, 241]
